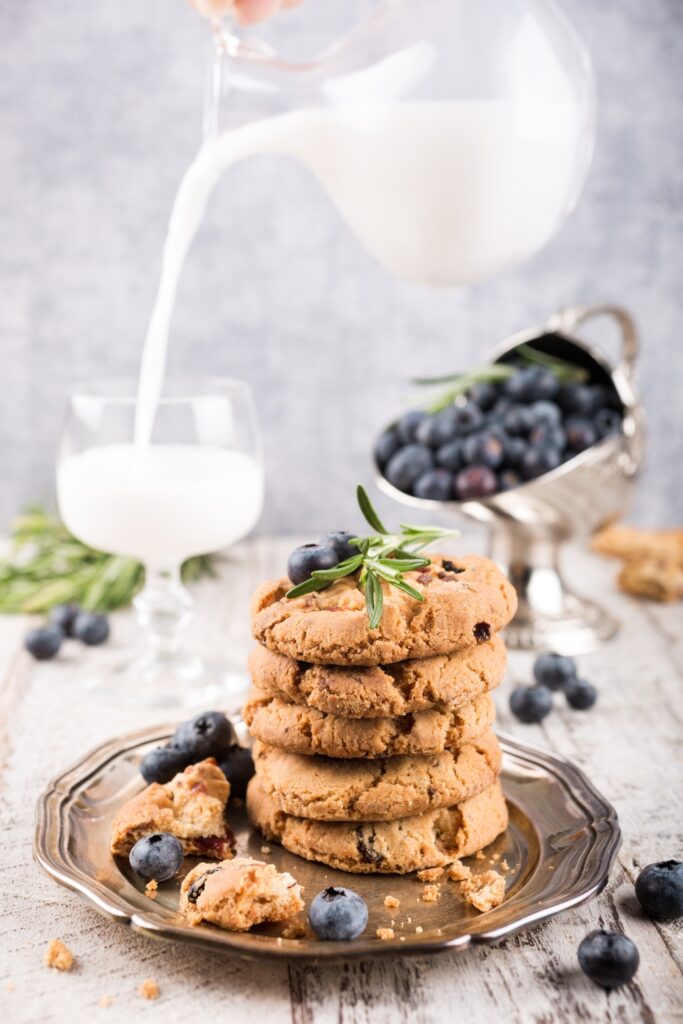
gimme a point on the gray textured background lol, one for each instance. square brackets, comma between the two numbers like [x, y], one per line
[99, 116]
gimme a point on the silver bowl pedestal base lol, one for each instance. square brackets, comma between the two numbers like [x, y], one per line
[550, 615]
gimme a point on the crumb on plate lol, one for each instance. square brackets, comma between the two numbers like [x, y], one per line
[484, 891]
[151, 889]
[105, 1002]
[459, 872]
[265, 849]
[430, 874]
[419, 930]
[149, 989]
[390, 902]
[430, 894]
[385, 933]
[59, 956]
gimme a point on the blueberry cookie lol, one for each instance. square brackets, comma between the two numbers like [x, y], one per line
[381, 691]
[303, 730]
[191, 807]
[331, 789]
[238, 894]
[466, 601]
[410, 844]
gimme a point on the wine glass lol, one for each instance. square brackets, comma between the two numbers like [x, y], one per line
[196, 488]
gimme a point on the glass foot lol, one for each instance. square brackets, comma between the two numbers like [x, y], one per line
[182, 682]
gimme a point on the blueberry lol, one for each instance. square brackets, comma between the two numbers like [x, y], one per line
[435, 484]
[539, 460]
[44, 643]
[438, 429]
[580, 434]
[306, 559]
[501, 409]
[580, 694]
[579, 399]
[341, 542]
[532, 383]
[515, 450]
[467, 417]
[386, 444]
[508, 479]
[610, 959]
[531, 703]
[63, 616]
[545, 414]
[554, 670]
[607, 422]
[659, 888]
[483, 394]
[205, 735]
[157, 857]
[338, 914]
[518, 420]
[547, 435]
[237, 765]
[450, 455]
[408, 424]
[475, 482]
[90, 628]
[483, 449]
[407, 465]
[162, 763]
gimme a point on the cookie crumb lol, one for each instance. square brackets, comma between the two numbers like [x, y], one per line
[430, 894]
[390, 902]
[59, 956]
[495, 858]
[105, 1002]
[504, 866]
[480, 855]
[9, 987]
[294, 931]
[149, 989]
[385, 933]
[459, 872]
[430, 874]
[419, 930]
[265, 849]
[484, 891]
[151, 889]
[401, 938]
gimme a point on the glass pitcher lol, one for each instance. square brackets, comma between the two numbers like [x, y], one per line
[453, 136]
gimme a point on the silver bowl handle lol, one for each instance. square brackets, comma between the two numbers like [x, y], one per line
[566, 321]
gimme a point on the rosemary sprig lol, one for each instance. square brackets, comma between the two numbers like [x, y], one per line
[494, 373]
[46, 566]
[382, 557]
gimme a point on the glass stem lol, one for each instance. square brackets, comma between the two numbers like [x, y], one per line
[164, 608]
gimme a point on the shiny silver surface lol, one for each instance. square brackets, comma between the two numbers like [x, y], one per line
[530, 524]
[560, 846]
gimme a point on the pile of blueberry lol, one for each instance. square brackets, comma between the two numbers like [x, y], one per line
[496, 436]
[209, 734]
[552, 672]
[307, 558]
[66, 620]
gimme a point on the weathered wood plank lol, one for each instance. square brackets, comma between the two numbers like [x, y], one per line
[630, 745]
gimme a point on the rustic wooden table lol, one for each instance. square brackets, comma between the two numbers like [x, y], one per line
[630, 744]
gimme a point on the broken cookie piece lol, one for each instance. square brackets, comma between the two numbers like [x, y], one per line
[238, 894]
[190, 807]
[59, 956]
[484, 891]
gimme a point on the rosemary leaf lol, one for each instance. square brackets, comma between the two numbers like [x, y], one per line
[368, 510]
[374, 600]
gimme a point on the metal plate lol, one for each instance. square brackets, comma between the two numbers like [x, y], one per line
[560, 846]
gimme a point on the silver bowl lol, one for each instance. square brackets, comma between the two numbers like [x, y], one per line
[529, 525]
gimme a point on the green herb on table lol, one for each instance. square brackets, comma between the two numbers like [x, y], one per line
[47, 566]
[382, 557]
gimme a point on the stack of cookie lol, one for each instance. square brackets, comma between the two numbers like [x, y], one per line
[374, 750]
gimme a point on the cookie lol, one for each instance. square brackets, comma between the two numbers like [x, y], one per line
[304, 730]
[410, 844]
[653, 579]
[381, 691]
[238, 894]
[330, 789]
[466, 601]
[191, 807]
[630, 543]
